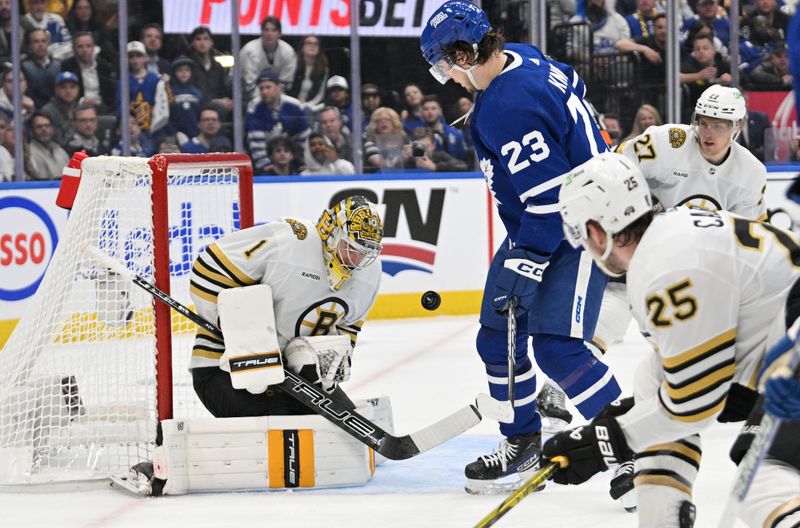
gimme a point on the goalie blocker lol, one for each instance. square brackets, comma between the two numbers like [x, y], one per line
[257, 453]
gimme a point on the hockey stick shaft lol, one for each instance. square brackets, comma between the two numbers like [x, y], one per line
[351, 422]
[512, 349]
[523, 491]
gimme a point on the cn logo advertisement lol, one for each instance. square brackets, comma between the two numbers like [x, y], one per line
[27, 240]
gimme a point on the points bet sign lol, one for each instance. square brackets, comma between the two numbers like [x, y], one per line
[379, 18]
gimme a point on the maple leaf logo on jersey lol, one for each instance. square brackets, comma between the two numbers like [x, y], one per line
[488, 173]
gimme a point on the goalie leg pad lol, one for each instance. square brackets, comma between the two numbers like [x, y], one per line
[252, 354]
[259, 453]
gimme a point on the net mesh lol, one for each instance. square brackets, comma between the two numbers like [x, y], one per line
[78, 396]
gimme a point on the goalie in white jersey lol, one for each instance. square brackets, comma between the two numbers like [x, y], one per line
[324, 279]
[712, 291]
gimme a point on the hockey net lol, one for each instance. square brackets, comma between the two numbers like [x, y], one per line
[95, 362]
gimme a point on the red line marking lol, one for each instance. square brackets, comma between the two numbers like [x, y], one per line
[398, 250]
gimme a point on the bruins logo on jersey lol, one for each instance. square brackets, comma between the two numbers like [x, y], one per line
[701, 201]
[299, 229]
[365, 226]
[321, 317]
[677, 137]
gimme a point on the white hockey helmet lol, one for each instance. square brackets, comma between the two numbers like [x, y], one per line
[722, 102]
[608, 189]
[351, 233]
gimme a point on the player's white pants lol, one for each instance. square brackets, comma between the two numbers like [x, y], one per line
[774, 497]
[615, 316]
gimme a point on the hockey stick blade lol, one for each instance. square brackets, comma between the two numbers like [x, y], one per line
[351, 422]
[528, 487]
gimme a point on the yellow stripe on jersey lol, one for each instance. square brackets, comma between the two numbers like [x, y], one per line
[200, 351]
[681, 450]
[694, 388]
[205, 334]
[764, 217]
[306, 458]
[700, 352]
[662, 480]
[229, 267]
[696, 415]
[203, 293]
[780, 511]
[204, 271]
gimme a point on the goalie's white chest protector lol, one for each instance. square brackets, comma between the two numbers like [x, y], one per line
[678, 174]
[286, 255]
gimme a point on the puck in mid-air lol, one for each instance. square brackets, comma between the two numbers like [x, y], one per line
[431, 300]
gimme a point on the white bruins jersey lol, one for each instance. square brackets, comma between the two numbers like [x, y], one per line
[709, 289]
[669, 157]
[286, 255]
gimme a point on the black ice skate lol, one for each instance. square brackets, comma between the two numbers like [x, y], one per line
[141, 480]
[622, 486]
[503, 470]
[551, 402]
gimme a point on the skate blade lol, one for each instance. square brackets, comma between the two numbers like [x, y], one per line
[628, 501]
[505, 485]
[552, 425]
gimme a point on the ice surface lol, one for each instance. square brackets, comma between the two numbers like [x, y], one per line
[429, 368]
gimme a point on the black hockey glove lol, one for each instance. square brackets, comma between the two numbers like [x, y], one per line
[590, 449]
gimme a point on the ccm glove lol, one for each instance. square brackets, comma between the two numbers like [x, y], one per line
[520, 277]
[589, 449]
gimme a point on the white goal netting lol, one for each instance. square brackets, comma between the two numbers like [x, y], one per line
[79, 396]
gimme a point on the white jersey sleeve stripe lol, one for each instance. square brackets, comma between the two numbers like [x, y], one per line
[543, 187]
[543, 209]
[578, 299]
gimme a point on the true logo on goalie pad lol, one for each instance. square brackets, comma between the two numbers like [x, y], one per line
[256, 361]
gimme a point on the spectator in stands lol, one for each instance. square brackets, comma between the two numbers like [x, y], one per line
[6, 161]
[708, 11]
[703, 68]
[187, 100]
[152, 36]
[82, 18]
[424, 156]
[29, 171]
[97, 78]
[59, 39]
[7, 93]
[370, 101]
[84, 122]
[641, 21]
[149, 96]
[5, 34]
[267, 52]
[40, 70]
[412, 113]
[758, 136]
[653, 49]
[310, 74]
[383, 148]
[272, 114]
[208, 138]
[446, 138]
[60, 107]
[321, 157]
[561, 11]
[607, 26]
[207, 73]
[337, 94]
[773, 72]
[330, 124]
[794, 150]
[169, 145]
[282, 160]
[765, 23]
[141, 145]
[47, 156]
[463, 108]
[646, 116]
[700, 28]
[613, 127]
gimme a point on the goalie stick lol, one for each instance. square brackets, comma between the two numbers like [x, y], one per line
[360, 428]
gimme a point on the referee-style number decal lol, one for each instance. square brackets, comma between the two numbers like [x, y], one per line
[682, 305]
[644, 148]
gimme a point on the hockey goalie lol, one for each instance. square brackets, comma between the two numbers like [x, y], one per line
[288, 294]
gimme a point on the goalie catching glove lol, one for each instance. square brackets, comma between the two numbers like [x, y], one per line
[519, 278]
[590, 449]
[323, 360]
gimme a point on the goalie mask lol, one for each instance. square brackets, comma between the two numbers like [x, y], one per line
[351, 233]
[608, 189]
[721, 102]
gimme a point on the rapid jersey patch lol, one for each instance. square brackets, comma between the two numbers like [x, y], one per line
[677, 137]
[321, 318]
[298, 228]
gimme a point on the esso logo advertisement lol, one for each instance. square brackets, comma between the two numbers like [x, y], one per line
[27, 240]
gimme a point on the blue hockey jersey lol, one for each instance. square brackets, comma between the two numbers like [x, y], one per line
[529, 127]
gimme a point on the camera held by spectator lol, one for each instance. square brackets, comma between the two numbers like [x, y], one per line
[418, 149]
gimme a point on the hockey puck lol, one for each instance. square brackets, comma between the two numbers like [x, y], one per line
[431, 300]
